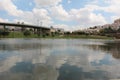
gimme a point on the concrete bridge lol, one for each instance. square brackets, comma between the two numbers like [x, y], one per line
[38, 29]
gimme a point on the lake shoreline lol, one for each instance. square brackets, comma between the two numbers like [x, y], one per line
[57, 37]
[21, 35]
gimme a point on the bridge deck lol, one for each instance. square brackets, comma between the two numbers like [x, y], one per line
[23, 25]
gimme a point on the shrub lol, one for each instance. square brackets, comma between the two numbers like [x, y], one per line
[27, 33]
[4, 33]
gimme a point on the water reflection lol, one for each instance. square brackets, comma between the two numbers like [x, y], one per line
[28, 71]
[48, 59]
[68, 72]
[109, 47]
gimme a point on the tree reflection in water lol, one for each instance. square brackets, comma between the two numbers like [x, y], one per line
[109, 47]
[73, 60]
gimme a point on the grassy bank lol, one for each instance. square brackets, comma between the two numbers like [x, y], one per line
[21, 35]
[89, 37]
[81, 37]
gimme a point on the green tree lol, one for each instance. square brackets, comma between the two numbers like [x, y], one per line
[27, 32]
[67, 33]
[4, 32]
[118, 30]
[107, 30]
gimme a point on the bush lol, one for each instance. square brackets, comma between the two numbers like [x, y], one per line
[1, 32]
[27, 33]
[79, 33]
[4, 33]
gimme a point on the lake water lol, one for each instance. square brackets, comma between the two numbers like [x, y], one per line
[59, 59]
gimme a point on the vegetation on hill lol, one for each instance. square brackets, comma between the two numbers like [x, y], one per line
[107, 33]
[110, 32]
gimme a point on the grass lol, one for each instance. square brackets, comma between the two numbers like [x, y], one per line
[21, 35]
[80, 37]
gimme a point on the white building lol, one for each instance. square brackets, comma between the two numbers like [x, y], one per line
[58, 30]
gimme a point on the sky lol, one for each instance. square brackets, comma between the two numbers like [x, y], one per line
[67, 14]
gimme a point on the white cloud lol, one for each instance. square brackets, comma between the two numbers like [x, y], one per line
[67, 27]
[30, 17]
[26, 16]
[8, 63]
[30, 4]
[111, 6]
[69, 1]
[10, 7]
[83, 16]
[59, 13]
[112, 9]
[36, 16]
[114, 18]
[92, 57]
[86, 16]
[3, 20]
[46, 3]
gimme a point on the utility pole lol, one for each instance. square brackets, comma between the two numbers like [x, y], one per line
[38, 21]
[41, 23]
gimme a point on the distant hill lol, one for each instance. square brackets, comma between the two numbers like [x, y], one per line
[115, 25]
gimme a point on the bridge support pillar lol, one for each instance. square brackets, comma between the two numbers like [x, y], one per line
[38, 32]
[4, 27]
[41, 32]
[34, 30]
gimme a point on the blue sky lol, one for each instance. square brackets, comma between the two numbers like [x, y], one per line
[67, 14]
[25, 5]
